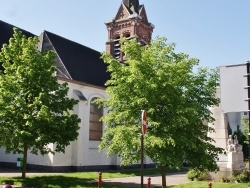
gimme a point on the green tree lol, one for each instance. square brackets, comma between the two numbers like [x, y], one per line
[243, 135]
[176, 98]
[34, 107]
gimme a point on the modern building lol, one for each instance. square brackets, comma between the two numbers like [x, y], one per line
[233, 108]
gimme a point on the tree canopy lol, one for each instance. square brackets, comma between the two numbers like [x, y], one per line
[34, 108]
[243, 137]
[176, 94]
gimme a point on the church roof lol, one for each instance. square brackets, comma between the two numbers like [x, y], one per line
[6, 32]
[83, 64]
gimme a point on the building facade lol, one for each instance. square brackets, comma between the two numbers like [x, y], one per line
[86, 74]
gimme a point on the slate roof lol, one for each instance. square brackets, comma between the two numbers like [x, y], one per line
[6, 32]
[83, 63]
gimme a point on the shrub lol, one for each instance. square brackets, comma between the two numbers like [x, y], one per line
[192, 174]
[241, 176]
[196, 174]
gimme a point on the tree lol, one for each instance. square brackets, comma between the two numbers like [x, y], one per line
[34, 108]
[243, 138]
[177, 100]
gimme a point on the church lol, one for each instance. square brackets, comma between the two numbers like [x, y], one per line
[86, 74]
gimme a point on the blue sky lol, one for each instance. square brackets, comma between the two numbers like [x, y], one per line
[215, 31]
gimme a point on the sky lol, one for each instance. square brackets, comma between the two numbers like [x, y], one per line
[217, 32]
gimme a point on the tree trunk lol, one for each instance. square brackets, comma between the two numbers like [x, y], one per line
[25, 153]
[163, 176]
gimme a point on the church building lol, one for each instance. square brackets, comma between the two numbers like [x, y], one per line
[86, 74]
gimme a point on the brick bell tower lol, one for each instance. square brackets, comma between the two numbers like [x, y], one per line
[130, 22]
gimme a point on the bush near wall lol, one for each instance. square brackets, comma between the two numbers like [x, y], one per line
[241, 176]
[196, 174]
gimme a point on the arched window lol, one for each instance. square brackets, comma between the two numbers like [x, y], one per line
[95, 124]
[127, 35]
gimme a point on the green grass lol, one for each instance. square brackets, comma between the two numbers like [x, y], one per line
[122, 173]
[76, 179]
[89, 180]
[196, 184]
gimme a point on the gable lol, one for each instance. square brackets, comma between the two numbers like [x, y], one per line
[46, 44]
[74, 61]
[82, 63]
[122, 13]
[143, 14]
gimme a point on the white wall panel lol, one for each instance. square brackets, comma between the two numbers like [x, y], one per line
[233, 85]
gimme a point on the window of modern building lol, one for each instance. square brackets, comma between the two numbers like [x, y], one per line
[95, 124]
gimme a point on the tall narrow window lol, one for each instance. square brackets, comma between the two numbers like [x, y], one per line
[95, 124]
[117, 47]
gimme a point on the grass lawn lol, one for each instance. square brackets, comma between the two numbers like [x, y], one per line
[89, 180]
[196, 184]
[77, 179]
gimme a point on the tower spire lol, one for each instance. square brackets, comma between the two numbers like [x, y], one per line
[132, 5]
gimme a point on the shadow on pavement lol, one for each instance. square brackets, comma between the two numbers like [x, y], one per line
[131, 185]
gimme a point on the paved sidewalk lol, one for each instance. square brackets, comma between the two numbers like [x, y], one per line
[171, 179]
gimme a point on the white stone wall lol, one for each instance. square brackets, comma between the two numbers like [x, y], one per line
[46, 160]
[219, 125]
[85, 152]
[221, 134]
[11, 158]
[81, 152]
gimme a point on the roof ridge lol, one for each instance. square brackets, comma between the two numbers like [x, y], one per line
[70, 40]
[19, 28]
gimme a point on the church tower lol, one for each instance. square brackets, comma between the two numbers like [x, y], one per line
[130, 22]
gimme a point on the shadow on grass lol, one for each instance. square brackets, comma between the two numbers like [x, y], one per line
[85, 179]
[55, 182]
[71, 182]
